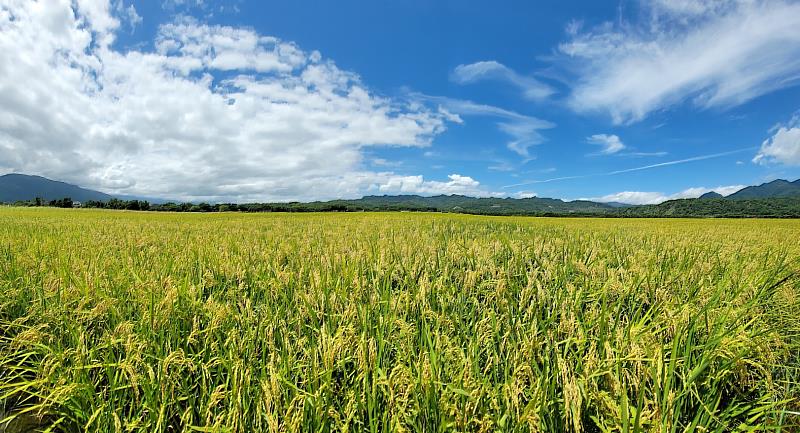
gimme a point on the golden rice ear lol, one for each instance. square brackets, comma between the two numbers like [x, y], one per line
[113, 321]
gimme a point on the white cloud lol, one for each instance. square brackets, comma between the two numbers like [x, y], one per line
[714, 53]
[634, 169]
[205, 47]
[214, 113]
[650, 197]
[524, 130]
[727, 190]
[175, 4]
[128, 14]
[458, 184]
[610, 144]
[501, 166]
[383, 162]
[686, 8]
[645, 154]
[698, 191]
[784, 145]
[491, 70]
[96, 13]
[632, 197]
[525, 194]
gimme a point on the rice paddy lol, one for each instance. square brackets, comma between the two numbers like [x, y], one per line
[117, 321]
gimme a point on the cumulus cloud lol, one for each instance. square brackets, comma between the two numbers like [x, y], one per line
[524, 194]
[212, 113]
[784, 145]
[632, 197]
[491, 70]
[524, 130]
[650, 197]
[610, 144]
[713, 53]
[457, 184]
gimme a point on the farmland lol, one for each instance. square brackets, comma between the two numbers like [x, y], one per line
[375, 322]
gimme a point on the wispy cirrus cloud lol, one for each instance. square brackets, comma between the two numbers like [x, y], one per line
[523, 130]
[503, 166]
[681, 161]
[491, 70]
[712, 53]
[633, 169]
[645, 154]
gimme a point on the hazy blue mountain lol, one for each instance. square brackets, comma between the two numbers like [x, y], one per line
[774, 189]
[761, 200]
[20, 187]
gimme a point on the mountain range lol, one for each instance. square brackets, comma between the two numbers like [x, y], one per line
[20, 187]
[460, 203]
[776, 188]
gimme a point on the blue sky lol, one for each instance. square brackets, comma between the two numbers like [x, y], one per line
[634, 101]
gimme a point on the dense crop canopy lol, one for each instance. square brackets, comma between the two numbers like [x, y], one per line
[125, 321]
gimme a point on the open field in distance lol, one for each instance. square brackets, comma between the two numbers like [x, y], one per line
[375, 322]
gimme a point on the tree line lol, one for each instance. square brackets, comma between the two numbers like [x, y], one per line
[683, 208]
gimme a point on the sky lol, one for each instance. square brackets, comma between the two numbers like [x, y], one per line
[202, 100]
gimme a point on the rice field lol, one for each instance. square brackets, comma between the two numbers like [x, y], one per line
[116, 321]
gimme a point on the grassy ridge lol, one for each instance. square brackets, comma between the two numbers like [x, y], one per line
[119, 321]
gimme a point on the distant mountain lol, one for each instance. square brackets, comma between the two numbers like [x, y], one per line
[776, 188]
[710, 194]
[464, 204]
[779, 198]
[21, 187]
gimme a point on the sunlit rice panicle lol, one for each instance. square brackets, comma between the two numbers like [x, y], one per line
[127, 321]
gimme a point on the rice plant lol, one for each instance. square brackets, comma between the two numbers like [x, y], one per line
[143, 322]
